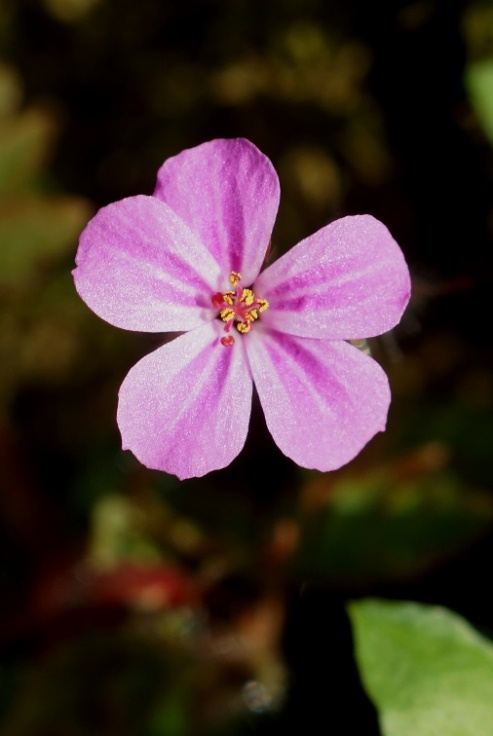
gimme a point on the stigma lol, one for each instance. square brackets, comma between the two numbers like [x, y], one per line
[238, 307]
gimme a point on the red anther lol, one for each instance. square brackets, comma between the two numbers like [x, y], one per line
[217, 300]
[227, 341]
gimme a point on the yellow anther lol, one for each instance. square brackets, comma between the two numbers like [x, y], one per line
[251, 315]
[227, 314]
[228, 298]
[243, 327]
[263, 304]
[234, 278]
[247, 297]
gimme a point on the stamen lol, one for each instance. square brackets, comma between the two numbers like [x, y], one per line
[247, 297]
[217, 300]
[227, 314]
[243, 327]
[239, 308]
[234, 278]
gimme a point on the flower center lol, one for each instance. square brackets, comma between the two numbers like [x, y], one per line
[239, 307]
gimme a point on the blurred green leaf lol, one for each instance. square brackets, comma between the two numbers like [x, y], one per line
[25, 144]
[380, 528]
[10, 90]
[428, 671]
[479, 84]
[33, 232]
[172, 716]
[463, 427]
[99, 683]
[119, 534]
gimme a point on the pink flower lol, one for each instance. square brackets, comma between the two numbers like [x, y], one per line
[188, 260]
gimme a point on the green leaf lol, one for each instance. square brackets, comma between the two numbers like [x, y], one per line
[428, 672]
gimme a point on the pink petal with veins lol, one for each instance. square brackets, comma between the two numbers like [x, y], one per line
[185, 408]
[227, 192]
[322, 400]
[141, 268]
[347, 281]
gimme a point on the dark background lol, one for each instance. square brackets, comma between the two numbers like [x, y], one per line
[131, 602]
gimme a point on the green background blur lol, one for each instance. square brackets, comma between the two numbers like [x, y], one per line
[132, 603]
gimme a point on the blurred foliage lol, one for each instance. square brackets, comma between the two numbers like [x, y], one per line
[391, 524]
[480, 83]
[37, 228]
[478, 25]
[133, 603]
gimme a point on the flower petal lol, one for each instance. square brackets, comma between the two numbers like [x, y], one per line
[322, 400]
[347, 281]
[141, 268]
[227, 192]
[185, 408]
